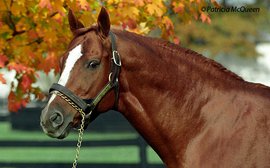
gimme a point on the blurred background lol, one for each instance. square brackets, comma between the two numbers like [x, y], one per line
[238, 40]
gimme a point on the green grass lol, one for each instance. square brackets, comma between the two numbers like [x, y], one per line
[65, 155]
[121, 154]
[8, 134]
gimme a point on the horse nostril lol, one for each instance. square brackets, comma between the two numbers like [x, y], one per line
[56, 119]
[42, 124]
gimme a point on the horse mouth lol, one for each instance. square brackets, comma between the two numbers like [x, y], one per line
[63, 135]
[60, 133]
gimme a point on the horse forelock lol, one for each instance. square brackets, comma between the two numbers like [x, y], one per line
[84, 30]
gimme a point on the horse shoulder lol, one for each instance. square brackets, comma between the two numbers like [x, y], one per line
[235, 133]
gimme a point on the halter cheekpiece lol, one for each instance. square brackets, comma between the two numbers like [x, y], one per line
[88, 105]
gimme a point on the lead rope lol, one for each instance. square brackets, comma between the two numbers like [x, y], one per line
[81, 129]
[80, 139]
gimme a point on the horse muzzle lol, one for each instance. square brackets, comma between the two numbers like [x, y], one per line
[54, 124]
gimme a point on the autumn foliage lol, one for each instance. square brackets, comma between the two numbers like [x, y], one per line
[34, 34]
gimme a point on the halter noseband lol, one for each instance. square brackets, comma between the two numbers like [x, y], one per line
[88, 105]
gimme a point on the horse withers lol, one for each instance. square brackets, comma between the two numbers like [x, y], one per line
[191, 110]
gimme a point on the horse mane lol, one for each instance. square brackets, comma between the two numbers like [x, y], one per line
[196, 57]
[189, 55]
[206, 61]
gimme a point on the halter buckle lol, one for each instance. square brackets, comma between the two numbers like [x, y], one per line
[116, 58]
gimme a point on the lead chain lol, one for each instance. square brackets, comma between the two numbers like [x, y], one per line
[80, 139]
[81, 129]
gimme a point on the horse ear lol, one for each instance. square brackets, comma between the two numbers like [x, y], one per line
[103, 22]
[74, 23]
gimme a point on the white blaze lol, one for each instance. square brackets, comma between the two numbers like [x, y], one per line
[72, 58]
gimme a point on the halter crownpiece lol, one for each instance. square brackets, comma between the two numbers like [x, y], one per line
[88, 105]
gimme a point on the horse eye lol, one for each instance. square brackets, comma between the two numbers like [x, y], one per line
[93, 64]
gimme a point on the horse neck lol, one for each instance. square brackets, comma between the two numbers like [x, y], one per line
[159, 94]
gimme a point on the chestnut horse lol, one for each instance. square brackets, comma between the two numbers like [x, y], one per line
[191, 110]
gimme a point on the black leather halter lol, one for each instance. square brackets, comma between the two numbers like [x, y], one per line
[88, 105]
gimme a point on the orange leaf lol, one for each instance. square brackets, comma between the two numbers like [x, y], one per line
[131, 24]
[168, 23]
[178, 8]
[58, 18]
[2, 79]
[205, 18]
[154, 9]
[51, 60]
[3, 60]
[138, 2]
[45, 3]
[19, 68]
[32, 34]
[83, 4]
[26, 82]
[176, 40]
[15, 103]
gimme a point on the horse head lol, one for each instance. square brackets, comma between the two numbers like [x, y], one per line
[85, 70]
